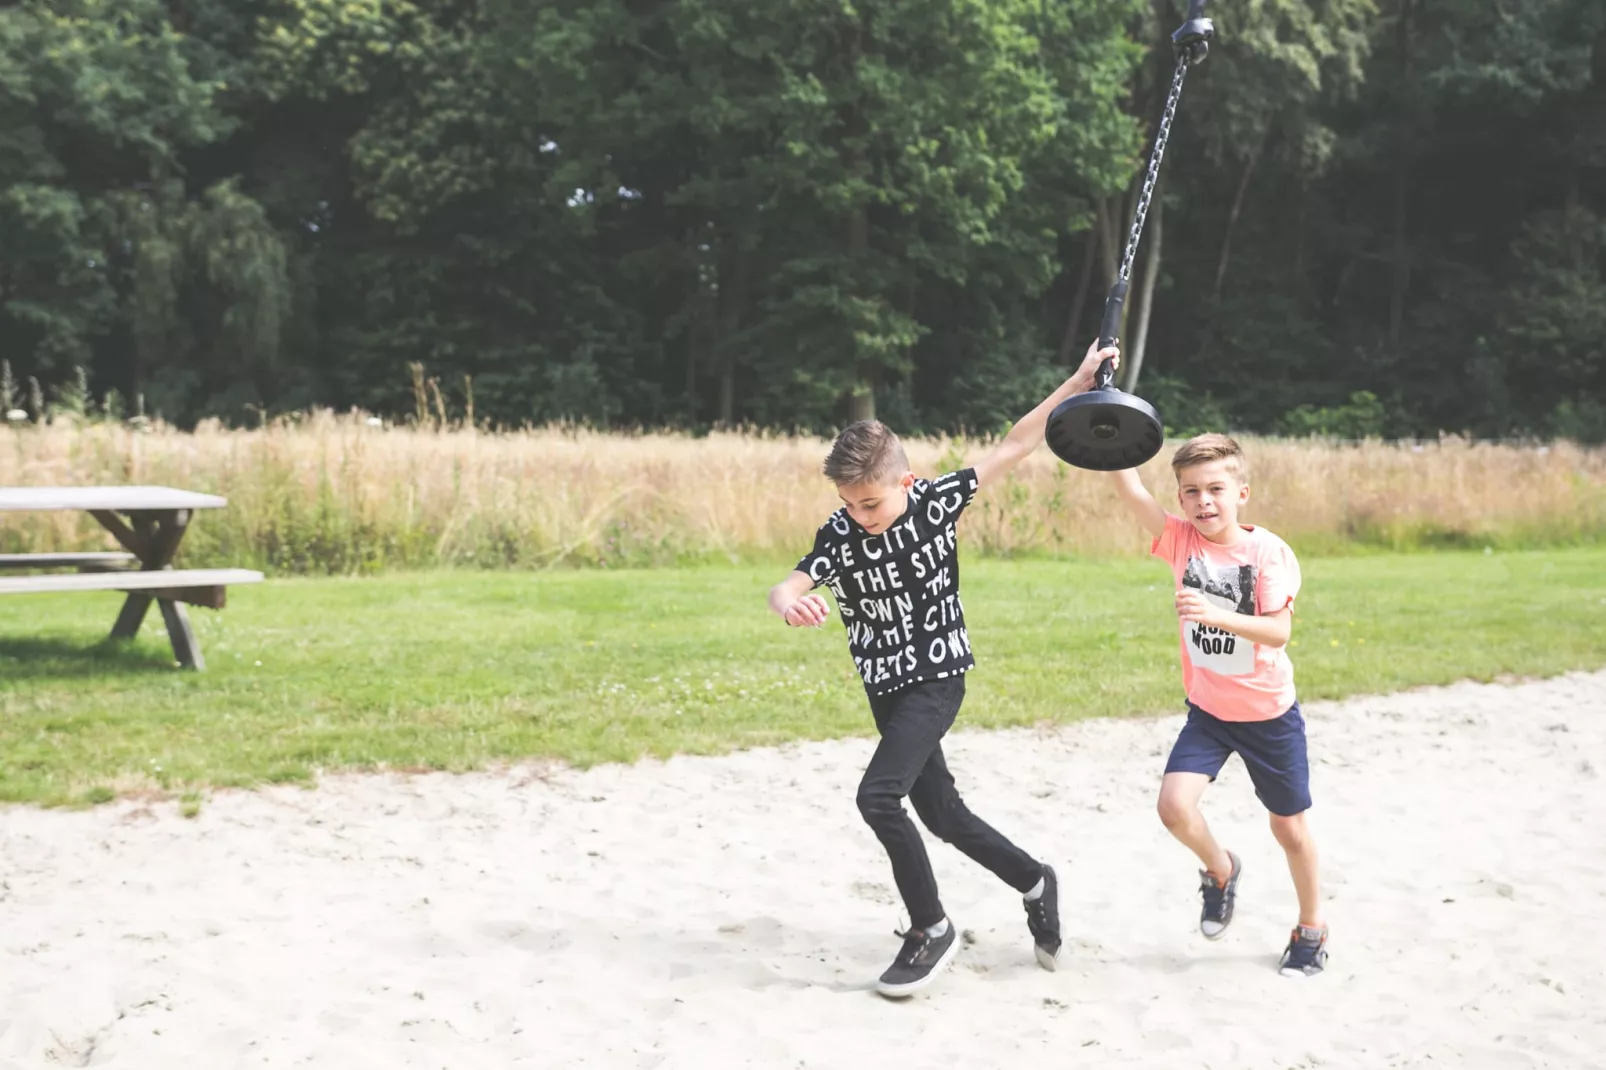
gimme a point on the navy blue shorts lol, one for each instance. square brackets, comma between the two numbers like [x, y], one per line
[1273, 751]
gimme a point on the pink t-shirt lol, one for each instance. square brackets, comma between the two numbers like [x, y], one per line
[1226, 675]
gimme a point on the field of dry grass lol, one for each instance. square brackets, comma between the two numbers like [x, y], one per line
[328, 493]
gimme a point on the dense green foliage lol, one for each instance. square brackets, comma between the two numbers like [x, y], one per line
[1378, 216]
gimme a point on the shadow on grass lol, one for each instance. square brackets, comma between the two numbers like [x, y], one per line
[37, 658]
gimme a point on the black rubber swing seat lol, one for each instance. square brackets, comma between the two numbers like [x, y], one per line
[1105, 430]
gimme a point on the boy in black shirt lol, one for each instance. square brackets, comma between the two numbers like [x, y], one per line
[890, 558]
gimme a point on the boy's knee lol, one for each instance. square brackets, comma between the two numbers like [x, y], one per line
[1291, 831]
[877, 807]
[1174, 813]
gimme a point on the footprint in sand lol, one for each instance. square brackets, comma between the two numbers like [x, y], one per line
[758, 934]
[875, 893]
[516, 934]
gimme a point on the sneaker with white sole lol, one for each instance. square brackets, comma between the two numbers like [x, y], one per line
[918, 963]
[1043, 919]
[1306, 955]
[1219, 897]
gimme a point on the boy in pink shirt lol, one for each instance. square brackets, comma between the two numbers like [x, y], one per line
[1236, 586]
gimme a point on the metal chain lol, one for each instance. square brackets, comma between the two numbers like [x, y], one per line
[1154, 165]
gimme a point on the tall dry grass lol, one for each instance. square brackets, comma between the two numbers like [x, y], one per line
[328, 493]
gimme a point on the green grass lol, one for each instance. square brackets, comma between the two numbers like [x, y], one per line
[450, 670]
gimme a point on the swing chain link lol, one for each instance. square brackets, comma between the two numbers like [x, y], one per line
[1153, 173]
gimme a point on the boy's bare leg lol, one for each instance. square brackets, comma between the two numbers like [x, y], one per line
[1294, 836]
[1179, 811]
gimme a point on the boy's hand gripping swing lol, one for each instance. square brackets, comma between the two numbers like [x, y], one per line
[1107, 429]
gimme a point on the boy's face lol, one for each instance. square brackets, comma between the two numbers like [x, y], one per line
[1210, 496]
[875, 507]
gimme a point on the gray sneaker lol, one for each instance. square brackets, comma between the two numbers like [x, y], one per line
[1218, 900]
[1307, 952]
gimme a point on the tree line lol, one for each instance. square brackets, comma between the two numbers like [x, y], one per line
[1376, 217]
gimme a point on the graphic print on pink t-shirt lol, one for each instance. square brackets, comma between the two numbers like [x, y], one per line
[1230, 587]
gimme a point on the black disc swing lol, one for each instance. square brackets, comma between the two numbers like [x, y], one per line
[1107, 429]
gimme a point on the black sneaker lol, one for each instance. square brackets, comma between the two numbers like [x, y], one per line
[1043, 919]
[1307, 952]
[1218, 900]
[918, 964]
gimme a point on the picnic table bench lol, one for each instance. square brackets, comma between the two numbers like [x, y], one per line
[149, 522]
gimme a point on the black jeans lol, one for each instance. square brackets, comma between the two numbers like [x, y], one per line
[909, 761]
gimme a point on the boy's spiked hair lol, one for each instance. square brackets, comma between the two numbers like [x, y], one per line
[1203, 449]
[865, 452]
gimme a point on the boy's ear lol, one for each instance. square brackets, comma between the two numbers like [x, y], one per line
[907, 481]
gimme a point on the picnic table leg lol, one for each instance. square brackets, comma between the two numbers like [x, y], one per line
[135, 606]
[153, 537]
[186, 651]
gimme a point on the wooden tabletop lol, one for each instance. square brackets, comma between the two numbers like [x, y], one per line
[114, 499]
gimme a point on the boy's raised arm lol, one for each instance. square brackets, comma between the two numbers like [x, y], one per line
[1027, 434]
[1139, 502]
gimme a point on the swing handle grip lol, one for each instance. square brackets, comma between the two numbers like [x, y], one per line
[1110, 332]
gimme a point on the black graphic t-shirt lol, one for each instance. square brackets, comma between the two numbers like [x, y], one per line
[898, 592]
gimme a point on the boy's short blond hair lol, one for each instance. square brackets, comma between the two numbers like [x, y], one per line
[866, 452]
[1203, 449]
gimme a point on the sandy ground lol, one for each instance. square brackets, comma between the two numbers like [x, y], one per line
[712, 912]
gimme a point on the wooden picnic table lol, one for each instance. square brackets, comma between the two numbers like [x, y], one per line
[149, 522]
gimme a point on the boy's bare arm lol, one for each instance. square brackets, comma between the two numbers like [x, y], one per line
[1272, 630]
[791, 601]
[1027, 434]
[1139, 502]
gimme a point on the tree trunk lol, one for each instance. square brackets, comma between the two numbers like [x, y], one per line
[861, 403]
[732, 298]
[1151, 276]
[691, 372]
[1108, 236]
[1299, 235]
[727, 389]
[1575, 243]
[691, 382]
[695, 331]
[1232, 219]
[861, 397]
[1402, 262]
[1402, 187]
[861, 400]
[1073, 322]
[1114, 245]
